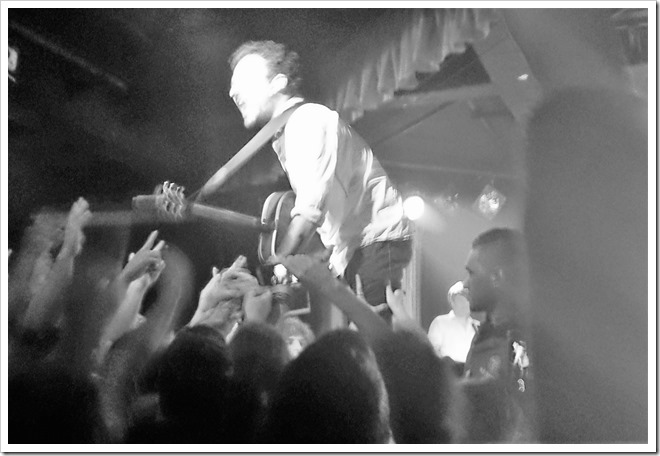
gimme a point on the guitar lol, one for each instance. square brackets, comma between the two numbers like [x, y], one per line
[169, 203]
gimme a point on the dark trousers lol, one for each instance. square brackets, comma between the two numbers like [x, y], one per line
[377, 265]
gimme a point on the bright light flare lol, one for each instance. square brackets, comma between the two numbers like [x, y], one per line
[279, 271]
[413, 207]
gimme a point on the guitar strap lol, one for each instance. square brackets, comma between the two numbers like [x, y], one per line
[246, 153]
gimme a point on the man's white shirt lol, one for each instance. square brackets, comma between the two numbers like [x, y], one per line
[452, 336]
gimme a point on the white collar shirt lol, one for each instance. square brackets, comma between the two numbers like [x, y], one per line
[452, 336]
[339, 184]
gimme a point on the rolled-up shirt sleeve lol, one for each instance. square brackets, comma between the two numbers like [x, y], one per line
[310, 146]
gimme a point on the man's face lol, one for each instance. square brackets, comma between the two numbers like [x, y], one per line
[479, 281]
[252, 91]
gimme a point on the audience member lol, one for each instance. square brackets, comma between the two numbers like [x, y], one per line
[259, 354]
[297, 334]
[499, 405]
[331, 393]
[423, 396]
[422, 403]
[451, 334]
[193, 383]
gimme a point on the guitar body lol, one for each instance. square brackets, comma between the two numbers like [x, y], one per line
[277, 213]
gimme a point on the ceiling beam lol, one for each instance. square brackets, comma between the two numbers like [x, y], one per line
[509, 71]
[439, 97]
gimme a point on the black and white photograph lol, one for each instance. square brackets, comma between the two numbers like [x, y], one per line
[329, 227]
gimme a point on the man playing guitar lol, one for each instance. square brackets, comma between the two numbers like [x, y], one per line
[341, 190]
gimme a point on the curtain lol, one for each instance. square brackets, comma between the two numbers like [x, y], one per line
[388, 54]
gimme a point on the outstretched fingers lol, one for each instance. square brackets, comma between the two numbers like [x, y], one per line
[149, 243]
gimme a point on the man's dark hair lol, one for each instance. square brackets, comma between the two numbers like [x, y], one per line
[259, 355]
[281, 60]
[424, 401]
[510, 245]
[332, 392]
[194, 374]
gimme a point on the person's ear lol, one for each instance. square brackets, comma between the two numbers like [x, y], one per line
[279, 83]
[497, 278]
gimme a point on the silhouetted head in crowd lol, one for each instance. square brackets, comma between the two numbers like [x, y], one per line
[257, 346]
[496, 279]
[296, 333]
[194, 376]
[50, 404]
[424, 399]
[331, 393]
[259, 355]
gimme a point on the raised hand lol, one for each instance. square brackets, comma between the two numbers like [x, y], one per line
[309, 270]
[215, 291]
[395, 303]
[257, 304]
[147, 260]
[239, 280]
[50, 278]
[79, 216]
[151, 275]
[220, 300]
[43, 231]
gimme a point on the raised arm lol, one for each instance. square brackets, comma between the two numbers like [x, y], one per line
[46, 305]
[131, 353]
[126, 315]
[36, 243]
[316, 274]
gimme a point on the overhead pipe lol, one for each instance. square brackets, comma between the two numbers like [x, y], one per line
[69, 56]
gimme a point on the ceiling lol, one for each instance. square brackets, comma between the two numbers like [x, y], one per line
[119, 100]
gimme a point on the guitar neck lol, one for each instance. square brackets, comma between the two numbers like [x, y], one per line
[230, 217]
[153, 205]
[102, 218]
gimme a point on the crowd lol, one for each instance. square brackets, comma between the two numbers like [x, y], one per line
[90, 362]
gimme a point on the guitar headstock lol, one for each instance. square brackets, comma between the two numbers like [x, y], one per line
[171, 201]
[168, 202]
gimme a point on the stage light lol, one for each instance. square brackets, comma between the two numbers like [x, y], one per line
[413, 207]
[489, 202]
[279, 271]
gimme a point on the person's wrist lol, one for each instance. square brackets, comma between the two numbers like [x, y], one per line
[138, 286]
[331, 286]
[66, 252]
